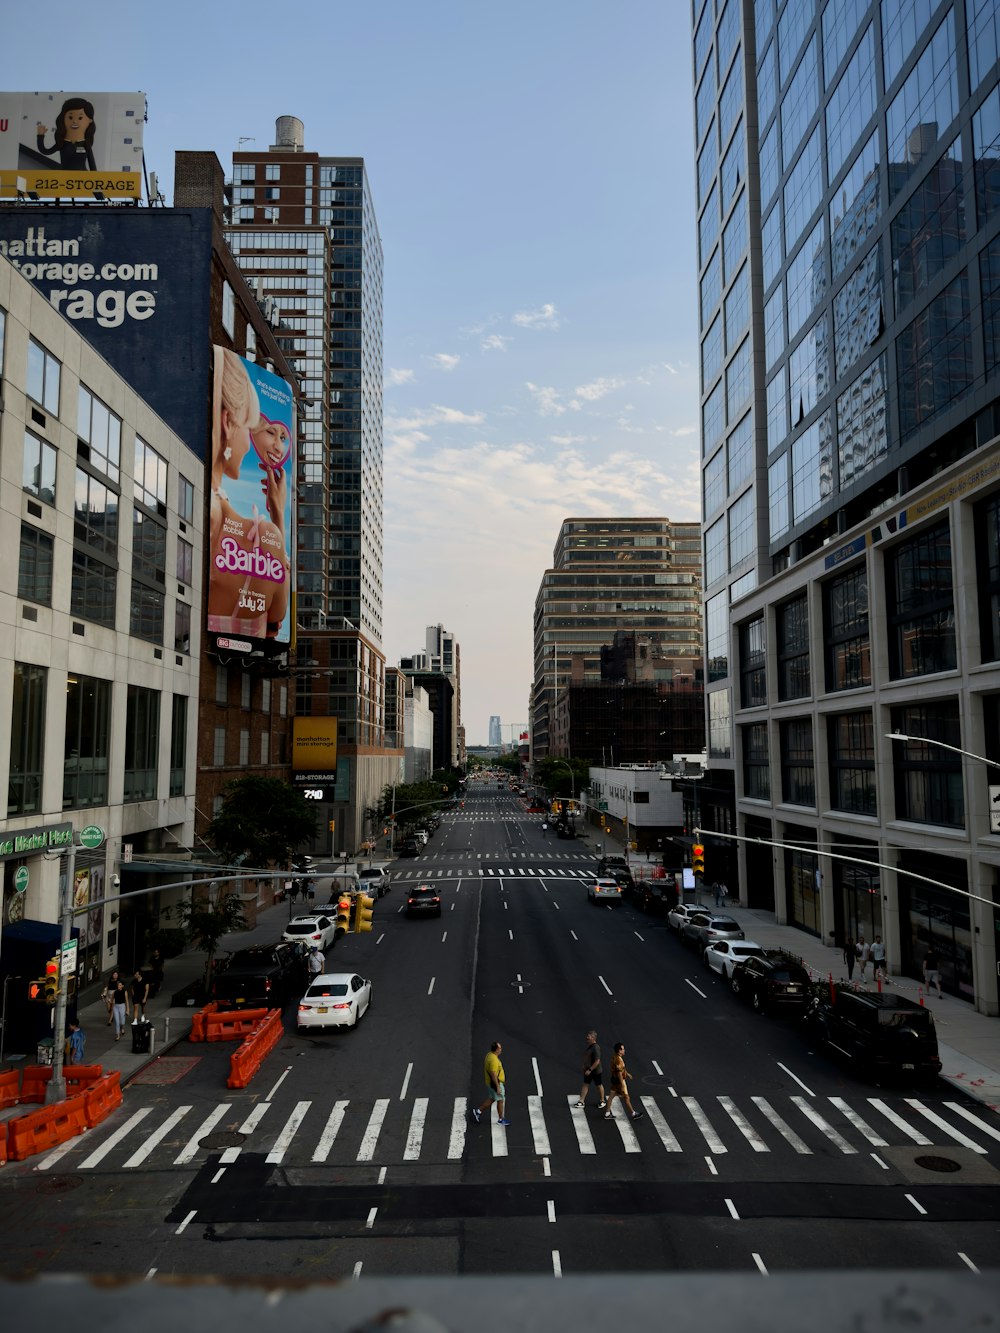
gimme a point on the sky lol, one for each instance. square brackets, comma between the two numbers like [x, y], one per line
[533, 178]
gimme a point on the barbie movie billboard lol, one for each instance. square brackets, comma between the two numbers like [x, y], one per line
[72, 143]
[250, 521]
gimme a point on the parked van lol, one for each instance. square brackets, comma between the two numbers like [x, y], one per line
[880, 1034]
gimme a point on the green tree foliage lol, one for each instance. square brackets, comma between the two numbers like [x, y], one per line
[554, 775]
[415, 800]
[261, 822]
[210, 913]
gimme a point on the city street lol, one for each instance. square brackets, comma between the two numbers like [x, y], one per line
[354, 1152]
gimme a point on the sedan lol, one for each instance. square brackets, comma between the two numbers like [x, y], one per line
[682, 912]
[311, 930]
[335, 999]
[724, 955]
[705, 928]
[423, 901]
[374, 880]
[604, 891]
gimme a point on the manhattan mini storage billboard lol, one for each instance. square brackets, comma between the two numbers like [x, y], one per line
[71, 144]
[250, 519]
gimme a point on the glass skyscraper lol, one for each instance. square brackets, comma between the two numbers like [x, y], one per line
[848, 194]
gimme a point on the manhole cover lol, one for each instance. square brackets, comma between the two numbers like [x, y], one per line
[937, 1163]
[58, 1184]
[226, 1138]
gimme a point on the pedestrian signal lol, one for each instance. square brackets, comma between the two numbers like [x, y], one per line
[698, 858]
[36, 989]
[363, 908]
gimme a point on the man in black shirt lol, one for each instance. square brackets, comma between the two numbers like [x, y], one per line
[593, 1075]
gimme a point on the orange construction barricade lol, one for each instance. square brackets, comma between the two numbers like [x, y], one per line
[34, 1080]
[101, 1098]
[249, 1057]
[40, 1130]
[10, 1088]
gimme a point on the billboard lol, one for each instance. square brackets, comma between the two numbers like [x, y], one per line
[72, 144]
[314, 751]
[250, 518]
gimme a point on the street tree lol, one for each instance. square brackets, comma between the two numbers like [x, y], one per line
[211, 912]
[261, 822]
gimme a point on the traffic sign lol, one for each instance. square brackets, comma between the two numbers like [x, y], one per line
[91, 837]
[67, 960]
[21, 878]
[994, 809]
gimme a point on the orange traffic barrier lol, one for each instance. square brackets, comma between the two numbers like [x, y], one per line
[200, 1020]
[229, 1024]
[40, 1130]
[34, 1079]
[101, 1098]
[80, 1077]
[3, 1141]
[249, 1057]
[10, 1088]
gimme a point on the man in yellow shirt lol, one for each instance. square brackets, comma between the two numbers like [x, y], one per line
[496, 1083]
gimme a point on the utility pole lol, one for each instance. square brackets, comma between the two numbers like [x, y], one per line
[55, 1090]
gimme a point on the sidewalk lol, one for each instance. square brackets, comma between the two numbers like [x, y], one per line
[968, 1042]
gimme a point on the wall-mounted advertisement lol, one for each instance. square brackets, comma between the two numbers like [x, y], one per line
[71, 144]
[314, 752]
[251, 539]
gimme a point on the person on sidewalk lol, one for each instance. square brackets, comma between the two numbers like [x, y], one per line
[717, 891]
[593, 1073]
[155, 972]
[496, 1083]
[877, 954]
[140, 994]
[76, 1042]
[107, 993]
[861, 950]
[932, 974]
[619, 1083]
[119, 1006]
[850, 956]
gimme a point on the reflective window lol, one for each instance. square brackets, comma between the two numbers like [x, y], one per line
[779, 512]
[708, 160]
[862, 438]
[841, 20]
[713, 421]
[770, 170]
[728, 31]
[929, 229]
[851, 104]
[934, 356]
[856, 207]
[737, 308]
[705, 101]
[858, 318]
[928, 778]
[185, 499]
[185, 561]
[142, 743]
[87, 742]
[986, 156]
[714, 482]
[799, 104]
[920, 604]
[774, 328]
[777, 410]
[716, 563]
[767, 86]
[95, 516]
[740, 449]
[924, 107]
[741, 529]
[770, 239]
[983, 21]
[27, 739]
[711, 353]
[903, 24]
[851, 751]
[44, 373]
[733, 165]
[730, 101]
[798, 779]
[763, 17]
[702, 39]
[150, 477]
[711, 286]
[987, 517]
[708, 225]
[100, 429]
[756, 763]
[34, 566]
[93, 588]
[38, 468]
[793, 24]
[739, 381]
[753, 663]
[805, 281]
[734, 238]
[792, 633]
[229, 297]
[178, 744]
[803, 189]
[989, 281]
[809, 373]
[720, 745]
[717, 636]
[846, 632]
[812, 469]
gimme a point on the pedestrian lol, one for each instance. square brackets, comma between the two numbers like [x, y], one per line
[717, 890]
[593, 1074]
[496, 1084]
[119, 1005]
[140, 994]
[932, 974]
[877, 955]
[156, 972]
[108, 991]
[850, 957]
[619, 1083]
[315, 962]
[861, 952]
[76, 1042]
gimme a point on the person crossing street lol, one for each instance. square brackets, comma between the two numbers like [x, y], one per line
[495, 1080]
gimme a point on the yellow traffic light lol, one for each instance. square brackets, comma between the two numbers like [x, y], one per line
[343, 922]
[698, 858]
[363, 908]
[52, 979]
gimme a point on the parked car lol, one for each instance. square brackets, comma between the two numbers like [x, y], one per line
[334, 999]
[775, 982]
[723, 956]
[604, 891]
[311, 930]
[704, 928]
[882, 1036]
[423, 901]
[375, 881]
[410, 847]
[682, 912]
[651, 895]
[265, 975]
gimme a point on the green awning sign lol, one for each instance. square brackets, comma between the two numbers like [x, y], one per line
[91, 837]
[21, 879]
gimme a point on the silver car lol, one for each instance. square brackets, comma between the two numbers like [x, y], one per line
[705, 928]
[682, 912]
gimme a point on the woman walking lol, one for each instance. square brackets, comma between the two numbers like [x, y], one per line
[119, 1002]
[850, 956]
[108, 992]
[619, 1083]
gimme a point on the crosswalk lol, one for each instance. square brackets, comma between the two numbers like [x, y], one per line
[440, 1129]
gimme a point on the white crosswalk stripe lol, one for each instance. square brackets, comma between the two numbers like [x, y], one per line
[437, 1129]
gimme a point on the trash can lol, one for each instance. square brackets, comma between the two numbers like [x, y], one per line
[45, 1052]
[141, 1037]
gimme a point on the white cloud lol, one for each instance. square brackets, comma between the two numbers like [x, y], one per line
[568, 439]
[668, 366]
[444, 360]
[544, 318]
[436, 415]
[394, 377]
[453, 416]
[495, 342]
[546, 400]
[599, 388]
[684, 430]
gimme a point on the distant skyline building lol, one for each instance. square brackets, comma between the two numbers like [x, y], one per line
[496, 735]
[438, 670]
[848, 183]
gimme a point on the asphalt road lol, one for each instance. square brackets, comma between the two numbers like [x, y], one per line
[354, 1152]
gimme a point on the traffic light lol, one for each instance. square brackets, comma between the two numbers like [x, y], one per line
[343, 923]
[36, 989]
[363, 907]
[52, 979]
[698, 858]
[333, 825]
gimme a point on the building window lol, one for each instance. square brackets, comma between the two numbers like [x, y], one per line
[178, 744]
[219, 747]
[793, 649]
[93, 589]
[142, 743]
[99, 431]
[38, 474]
[182, 627]
[185, 561]
[716, 564]
[265, 697]
[862, 437]
[924, 107]
[185, 499]
[150, 478]
[753, 664]
[245, 690]
[44, 372]
[756, 766]
[799, 104]
[221, 684]
[149, 555]
[851, 745]
[87, 745]
[741, 529]
[928, 778]
[851, 104]
[920, 605]
[929, 230]
[265, 747]
[272, 172]
[988, 565]
[229, 309]
[856, 207]
[720, 745]
[244, 748]
[845, 613]
[27, 740]
[34, 566]
[798, 779]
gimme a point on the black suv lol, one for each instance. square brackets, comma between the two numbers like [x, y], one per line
[653, 896]
[616, 868]
[410, 847]
[882, 1035]
[775, 982]
[264, 974]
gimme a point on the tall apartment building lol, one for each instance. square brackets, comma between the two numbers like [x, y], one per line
[438, 669]
[302, 226]
[610, 574]
[495, 734]
[848, 181]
